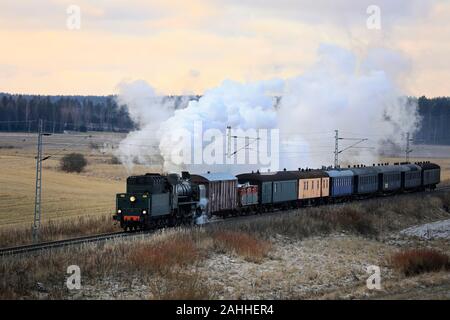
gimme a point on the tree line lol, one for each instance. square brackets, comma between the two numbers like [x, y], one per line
[60, 113]
[102, 113]
[435, 122]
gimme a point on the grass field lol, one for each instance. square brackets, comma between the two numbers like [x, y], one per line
[64, 195]
[92, 192]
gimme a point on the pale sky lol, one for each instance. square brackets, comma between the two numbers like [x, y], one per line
[181, 46]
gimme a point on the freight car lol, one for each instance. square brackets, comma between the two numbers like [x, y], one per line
[221, 194]
[155, 200]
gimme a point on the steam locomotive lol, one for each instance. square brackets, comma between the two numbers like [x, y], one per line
[155, 200]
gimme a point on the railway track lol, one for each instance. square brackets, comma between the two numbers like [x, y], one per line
[117, 235]
[66, 242]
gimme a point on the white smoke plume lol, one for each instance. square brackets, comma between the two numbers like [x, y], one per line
[148, 110]
[359, 96]
[241, 106]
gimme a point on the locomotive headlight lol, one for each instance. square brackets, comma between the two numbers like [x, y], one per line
[144, 211]
[132, 198]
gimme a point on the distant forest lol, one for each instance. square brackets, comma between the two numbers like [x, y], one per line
[68, 113]
[102, 113]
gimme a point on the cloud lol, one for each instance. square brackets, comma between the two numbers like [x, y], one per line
[339, 12]
[188, 46]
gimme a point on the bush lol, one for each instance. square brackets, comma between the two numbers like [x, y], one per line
[73, 162]
[416, 261]
[243, 244]
[163, 256]
[181, 286]
[353, 219]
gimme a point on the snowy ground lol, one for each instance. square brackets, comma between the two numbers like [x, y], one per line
[434, 230]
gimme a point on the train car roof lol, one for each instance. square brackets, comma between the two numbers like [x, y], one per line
[363, 170]
[389, 168]
[333, 173]
[267, 176]
[428, 165]
[308, 174]
[215, 176]
[413, 167]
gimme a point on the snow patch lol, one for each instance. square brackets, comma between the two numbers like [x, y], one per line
[434, 230]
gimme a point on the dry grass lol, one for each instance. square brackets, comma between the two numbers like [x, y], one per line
[163, 256]
[58, 229]
[167, 262]
[245, 245]
[181, 286]
[417, 261]
[371, 218]
[64, 195]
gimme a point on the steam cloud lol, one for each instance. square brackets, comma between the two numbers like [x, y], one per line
[359, 97]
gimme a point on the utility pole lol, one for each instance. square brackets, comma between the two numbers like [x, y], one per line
[408, 150]
[229, 141]
[336, 148]
[37, 199]
[229, 137]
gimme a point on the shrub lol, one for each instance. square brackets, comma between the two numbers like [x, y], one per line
[73, 162]
[353, 219]
[165, 255]
[243, 244]
[416, 261]
[181, 286]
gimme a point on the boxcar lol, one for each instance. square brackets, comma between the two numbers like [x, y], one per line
[274, 187]
[389, 178]
[221, 191]
[431, 174]
[312, 184]
[341, 183]
[365, 180]
[411, 176]
[248, 195]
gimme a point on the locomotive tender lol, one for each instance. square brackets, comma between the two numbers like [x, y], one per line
[154, 200]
